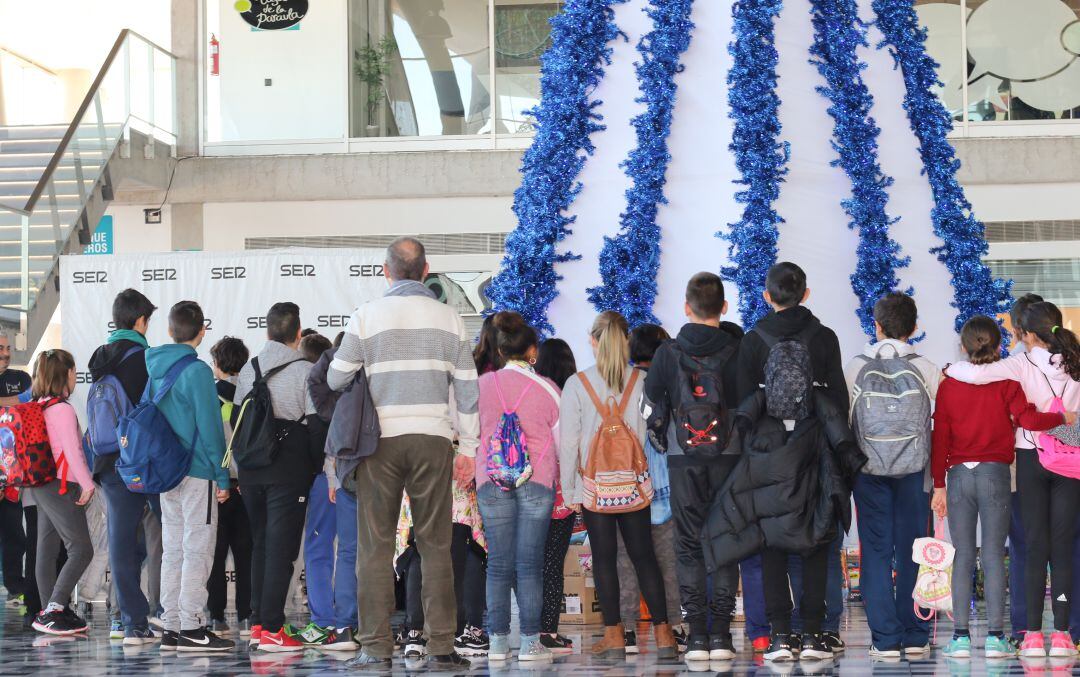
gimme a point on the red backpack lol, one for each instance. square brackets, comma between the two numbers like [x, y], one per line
[26, 458]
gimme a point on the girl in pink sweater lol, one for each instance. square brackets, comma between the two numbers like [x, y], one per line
[516, 519]
[61, 516]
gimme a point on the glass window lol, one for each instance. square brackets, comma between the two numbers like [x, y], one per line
[419, 68]
[943, 43]
[1056, 280]
[522, 35]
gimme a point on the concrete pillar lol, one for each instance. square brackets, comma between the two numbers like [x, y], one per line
[187, 226]
[185, 45]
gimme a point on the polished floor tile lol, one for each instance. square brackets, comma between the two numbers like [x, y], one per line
[29, 653]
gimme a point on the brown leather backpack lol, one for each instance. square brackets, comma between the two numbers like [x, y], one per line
[615, 479]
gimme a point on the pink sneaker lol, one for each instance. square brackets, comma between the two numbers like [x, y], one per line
[1034, 645]
[1061, 645]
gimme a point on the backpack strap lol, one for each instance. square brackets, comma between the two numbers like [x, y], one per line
[259, 376]
[171, 377]
[1046, 378]
[592, 392]
[627, 391]
[502, 400]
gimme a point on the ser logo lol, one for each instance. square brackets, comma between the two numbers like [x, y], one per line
[83, 378]
[256, 322]
[337, 321]
[229, 273]
[208, 323]
[90, 277]
[159, 274]
[366, 270]
[297, 270]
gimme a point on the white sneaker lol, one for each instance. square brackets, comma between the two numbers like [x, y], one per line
[884, 653]
[917, 651]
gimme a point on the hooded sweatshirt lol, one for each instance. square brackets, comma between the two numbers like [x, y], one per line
[192, 405]
[931, 374]
[1040, 375]
[696, 340]
[824, 352]
[109, 359]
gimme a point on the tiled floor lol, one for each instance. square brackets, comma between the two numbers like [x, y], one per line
[28, 653]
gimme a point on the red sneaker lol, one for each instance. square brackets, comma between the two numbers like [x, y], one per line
[283, 640]
[761, 644]
[256, 635]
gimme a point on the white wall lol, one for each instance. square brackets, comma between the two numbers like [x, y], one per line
[308, 69]
[132, 235]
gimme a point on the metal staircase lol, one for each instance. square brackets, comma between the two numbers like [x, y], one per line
[56, 181]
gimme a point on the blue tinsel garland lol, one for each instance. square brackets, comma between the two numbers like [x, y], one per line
[629, 262]
[759, 156]
[975, 290]
[565, 118]
[838, 34]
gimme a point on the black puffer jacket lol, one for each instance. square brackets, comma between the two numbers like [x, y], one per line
[788, 490]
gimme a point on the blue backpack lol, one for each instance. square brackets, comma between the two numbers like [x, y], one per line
[508, 464]
[153, 460]
[106, 404]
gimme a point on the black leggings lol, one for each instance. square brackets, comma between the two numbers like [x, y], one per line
[558, 543]
[778, 604]
[470, 583]
[1048, 507]
[636, 528]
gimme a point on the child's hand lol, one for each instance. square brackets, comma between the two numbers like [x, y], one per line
[939, 504]
[1070, 418]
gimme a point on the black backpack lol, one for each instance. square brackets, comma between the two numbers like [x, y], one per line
[699, 408]
[257, 435]
[789, 374]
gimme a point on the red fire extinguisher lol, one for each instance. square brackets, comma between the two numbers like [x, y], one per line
[215, 55]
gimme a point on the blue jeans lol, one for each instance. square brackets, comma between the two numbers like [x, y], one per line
[319, 533]
[125, 513]
[516, 524]
[1017, 562]
[345, 600]
[753, 590]
[893, 512]
[834, 587]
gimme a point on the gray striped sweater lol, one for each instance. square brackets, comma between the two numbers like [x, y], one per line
[419, 364]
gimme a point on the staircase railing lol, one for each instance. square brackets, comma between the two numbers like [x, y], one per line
[135, 89]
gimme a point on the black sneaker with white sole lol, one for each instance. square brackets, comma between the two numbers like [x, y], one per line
[169, 640]
[557, 644]
[76, 620]
[833, 641]
[697, 648]
[415, 644]
[452, 661]
[721, 648]
[472, 642]
[630, 638]
[680, 638]
[202, 640]
[796, 642]
[56, 623]
[780, 648]
[814, 648]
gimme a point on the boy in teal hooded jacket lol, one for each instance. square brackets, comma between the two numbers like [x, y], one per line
[189, 511]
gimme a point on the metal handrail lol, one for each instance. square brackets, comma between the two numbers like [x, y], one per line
[88, 100]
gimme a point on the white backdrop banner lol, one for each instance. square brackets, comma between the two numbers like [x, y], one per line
[235, 289]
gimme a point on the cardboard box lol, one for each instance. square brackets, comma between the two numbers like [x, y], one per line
[580, 604]
[578, 561]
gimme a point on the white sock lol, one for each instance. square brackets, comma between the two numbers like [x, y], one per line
[53, 606]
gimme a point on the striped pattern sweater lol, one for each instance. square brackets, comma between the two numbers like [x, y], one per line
[419, 365]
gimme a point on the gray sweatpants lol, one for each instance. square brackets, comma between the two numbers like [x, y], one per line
[663, 536]
[979, 495]
[60, 520]
[188, 535]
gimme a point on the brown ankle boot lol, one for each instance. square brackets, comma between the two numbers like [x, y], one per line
[613, 645]
[665, 641]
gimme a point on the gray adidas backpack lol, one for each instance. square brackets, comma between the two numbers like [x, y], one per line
[890, 415]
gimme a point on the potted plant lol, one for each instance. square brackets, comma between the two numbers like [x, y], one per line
[371, 67]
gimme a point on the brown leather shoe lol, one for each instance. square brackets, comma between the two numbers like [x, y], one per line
[665, 641]
[613, 645]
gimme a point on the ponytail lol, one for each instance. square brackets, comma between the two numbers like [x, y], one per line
[612, 348]
[1045, 320]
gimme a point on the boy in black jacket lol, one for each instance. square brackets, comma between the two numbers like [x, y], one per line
[786, 291]
[705, 345]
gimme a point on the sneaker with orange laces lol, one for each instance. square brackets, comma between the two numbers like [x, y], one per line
[285, 639]
[256, 635]
[761, 644]
[1061, 645]
[1034, 645]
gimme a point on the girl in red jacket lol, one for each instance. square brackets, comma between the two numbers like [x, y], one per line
[974, 428]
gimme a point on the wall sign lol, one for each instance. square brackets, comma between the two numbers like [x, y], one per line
[101, 242]
[272, 15]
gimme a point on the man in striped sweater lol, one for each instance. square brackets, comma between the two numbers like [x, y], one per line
[419, 364]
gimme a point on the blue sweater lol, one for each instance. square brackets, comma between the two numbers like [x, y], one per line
[191, 405]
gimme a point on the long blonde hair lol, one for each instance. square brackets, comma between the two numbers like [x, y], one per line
[612, 348]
